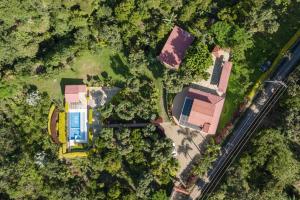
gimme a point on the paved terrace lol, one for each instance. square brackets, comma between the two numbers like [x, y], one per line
[98, 97]
[188, 145]
[214, 70]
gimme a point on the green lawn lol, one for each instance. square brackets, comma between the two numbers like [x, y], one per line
[87, 63]
[228, 109]
[160, 104]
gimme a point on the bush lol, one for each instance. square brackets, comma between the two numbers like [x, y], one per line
[208, 158]
[52, 108]
[62, 127]
[90, 120]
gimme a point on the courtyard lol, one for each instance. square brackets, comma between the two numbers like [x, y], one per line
[188, 144]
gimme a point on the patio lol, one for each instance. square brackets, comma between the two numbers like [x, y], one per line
[219, 57]
[188, 144]
[98, 96]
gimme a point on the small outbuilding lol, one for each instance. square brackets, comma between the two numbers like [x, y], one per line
[175, 48]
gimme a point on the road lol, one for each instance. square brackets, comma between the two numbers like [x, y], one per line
[263, 102]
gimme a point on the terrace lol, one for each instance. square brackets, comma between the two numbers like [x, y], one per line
[220, 66]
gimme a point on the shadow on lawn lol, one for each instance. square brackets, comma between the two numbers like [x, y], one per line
[118, 66]
[69, 81]
[157, 68]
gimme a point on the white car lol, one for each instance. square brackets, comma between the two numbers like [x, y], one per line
[174, 152]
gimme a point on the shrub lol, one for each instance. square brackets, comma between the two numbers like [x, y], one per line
[62, 127]
[52, 108]
[90, 120]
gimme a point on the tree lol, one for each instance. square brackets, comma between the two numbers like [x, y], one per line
[264, 170]
[160, 195]
[190, 8]
[211, 153]
[291, 108]
[138, 63]
[123, 10]
[197, 61]
[221, 31]
[262, 20]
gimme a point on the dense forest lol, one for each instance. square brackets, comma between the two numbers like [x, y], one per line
[42, 42]
[270, 166]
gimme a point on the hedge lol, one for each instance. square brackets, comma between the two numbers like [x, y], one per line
[90, 119]
[66, 107]
[90, 136]
[74, 155]
[52, 108]
[62, 127]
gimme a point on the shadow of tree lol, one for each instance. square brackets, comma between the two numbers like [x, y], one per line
[118, 66]
[184, 149]
[189, 136]
[189, 169]
[155, 67]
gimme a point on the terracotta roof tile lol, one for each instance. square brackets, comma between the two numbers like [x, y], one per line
[74, 89]
[224, 79]
[72, 92]
[175, 48]
[206, 110]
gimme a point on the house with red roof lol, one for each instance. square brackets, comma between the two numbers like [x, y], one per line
[200, 109]
[175, 48]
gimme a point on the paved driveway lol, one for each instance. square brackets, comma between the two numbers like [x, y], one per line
[188, 144]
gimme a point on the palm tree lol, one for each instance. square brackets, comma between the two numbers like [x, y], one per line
[189, 135]
[170, 20]
[184, 148]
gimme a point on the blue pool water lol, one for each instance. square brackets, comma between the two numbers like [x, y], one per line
[75, 120]
[187, 107]
[74, 127]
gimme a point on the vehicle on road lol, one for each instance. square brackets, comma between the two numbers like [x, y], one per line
[174, 152]
[265, 66]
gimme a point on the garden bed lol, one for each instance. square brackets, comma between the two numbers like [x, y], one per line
[52, 124]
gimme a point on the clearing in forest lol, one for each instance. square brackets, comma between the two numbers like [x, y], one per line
[87, 63]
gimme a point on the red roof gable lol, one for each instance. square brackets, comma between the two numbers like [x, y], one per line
[74, 89]
[223, 82]
[206, 110]
[72, 92]
[175, 48]
[216, 50]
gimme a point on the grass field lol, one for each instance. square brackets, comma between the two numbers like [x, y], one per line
[228, 110]
[86, 64]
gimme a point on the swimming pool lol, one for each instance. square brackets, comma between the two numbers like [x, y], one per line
[75, 132]
[187, 107]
